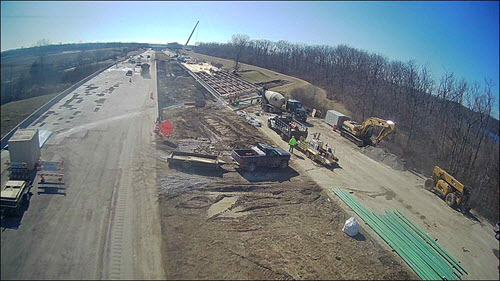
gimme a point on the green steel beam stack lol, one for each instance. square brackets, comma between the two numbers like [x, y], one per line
[418, 250]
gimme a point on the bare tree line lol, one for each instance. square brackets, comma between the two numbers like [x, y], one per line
[441, 122]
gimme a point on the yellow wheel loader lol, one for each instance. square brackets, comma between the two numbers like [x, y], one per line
[450, 189]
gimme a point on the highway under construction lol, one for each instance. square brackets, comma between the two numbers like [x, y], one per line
[122, 209]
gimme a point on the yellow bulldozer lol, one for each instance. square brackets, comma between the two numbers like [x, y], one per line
[450, 189]
[361, 134]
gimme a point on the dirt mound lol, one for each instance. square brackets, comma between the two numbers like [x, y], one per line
[380, 155]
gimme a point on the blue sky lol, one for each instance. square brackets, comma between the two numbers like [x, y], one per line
[462, 37]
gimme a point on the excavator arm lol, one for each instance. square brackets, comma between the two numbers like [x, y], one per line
[388, 127]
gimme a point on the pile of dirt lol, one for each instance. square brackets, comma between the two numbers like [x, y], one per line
[381, 155]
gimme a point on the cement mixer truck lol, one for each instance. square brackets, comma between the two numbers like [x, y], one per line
[275, 102]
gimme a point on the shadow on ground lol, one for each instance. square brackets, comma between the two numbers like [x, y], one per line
[307, 124]
[268, 174]
[146, 75]
[13, 221]
[359, 237]
[201, 171]
[415, 172]
[471, 216]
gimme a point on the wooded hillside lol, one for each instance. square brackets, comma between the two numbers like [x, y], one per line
[444, 121]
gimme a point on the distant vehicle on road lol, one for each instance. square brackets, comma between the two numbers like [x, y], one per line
[261, 155]
[138, 63]
[129, 73]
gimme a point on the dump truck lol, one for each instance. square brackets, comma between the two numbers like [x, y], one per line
[287, 127]
[449, 188]
[361, 133]
[261, 155]
[13, 196]
[317, 151]
[275, 102]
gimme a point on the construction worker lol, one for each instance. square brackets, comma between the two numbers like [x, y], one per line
[292, 143]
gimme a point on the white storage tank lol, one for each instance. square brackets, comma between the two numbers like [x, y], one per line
[335, 118]
[24, 147]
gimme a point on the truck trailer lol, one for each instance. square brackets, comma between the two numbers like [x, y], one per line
[335, 119]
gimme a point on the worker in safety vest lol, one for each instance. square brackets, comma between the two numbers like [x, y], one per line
[292, 143]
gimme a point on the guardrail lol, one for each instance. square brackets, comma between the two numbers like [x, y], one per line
[40, 111]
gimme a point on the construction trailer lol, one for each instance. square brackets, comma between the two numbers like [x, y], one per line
[335, 118]
[24, 148]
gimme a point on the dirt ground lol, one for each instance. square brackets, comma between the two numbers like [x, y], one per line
[232, 224]
[381, 182]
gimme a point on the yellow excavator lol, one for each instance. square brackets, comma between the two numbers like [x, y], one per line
[450, 189]
[361, 134]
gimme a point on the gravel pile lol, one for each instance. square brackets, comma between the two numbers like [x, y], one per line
[380, 155]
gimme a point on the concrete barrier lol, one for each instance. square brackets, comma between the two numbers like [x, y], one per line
[40, 111]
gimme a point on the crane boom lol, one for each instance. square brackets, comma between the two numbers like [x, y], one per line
[192, 33]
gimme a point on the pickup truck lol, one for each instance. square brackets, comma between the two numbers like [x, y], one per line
[261, 155]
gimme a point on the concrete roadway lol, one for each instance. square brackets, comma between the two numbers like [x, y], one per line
[106, 226]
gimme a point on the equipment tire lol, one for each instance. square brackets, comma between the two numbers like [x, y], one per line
[451, 199]
[251, 167]
[283, 164]
[269, 124]
[308, 154]
[429, 183]
[497, 236]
